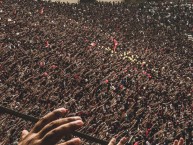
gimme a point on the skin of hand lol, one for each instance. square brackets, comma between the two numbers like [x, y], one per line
[121, 142]
[51, 129]
[180, 142]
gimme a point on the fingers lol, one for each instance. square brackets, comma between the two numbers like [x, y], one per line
[112, 142]
[56, 124]
[24, 134]
[175, 142]
[49, 118]
[180, 142]
[122, 141]
[53, 136]
[74, 141]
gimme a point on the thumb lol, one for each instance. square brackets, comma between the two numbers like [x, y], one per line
[24, 134]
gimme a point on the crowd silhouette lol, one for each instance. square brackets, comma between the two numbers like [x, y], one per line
[126, 70]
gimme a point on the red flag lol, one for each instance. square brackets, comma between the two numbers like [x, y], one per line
[42, 63]
[115, 44]
[149, 76]
[106, 81]
[144, 72]
[136, 143]
[53, 66]
[46, 44]
[147, 132]
[76, 76]
[45, 74]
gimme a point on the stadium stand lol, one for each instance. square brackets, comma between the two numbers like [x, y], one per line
[127, 70]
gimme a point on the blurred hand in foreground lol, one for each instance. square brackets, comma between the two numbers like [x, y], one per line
[51, 128]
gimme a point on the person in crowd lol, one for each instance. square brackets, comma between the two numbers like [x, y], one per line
[125, 69]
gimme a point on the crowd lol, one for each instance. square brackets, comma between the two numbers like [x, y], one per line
[127, 70]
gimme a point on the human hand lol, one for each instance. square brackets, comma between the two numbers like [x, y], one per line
[51, 128]
[180, 142]
[121, 142]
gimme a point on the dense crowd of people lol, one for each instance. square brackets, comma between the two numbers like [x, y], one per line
[127, 70]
